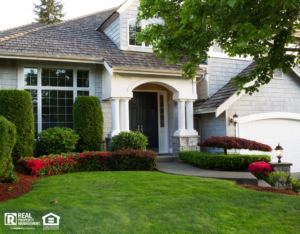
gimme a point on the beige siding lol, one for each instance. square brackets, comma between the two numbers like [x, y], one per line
[8, 74]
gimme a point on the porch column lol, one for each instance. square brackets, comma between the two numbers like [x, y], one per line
[190, 117]
[115, 117]
[125, 114]
[181, 118]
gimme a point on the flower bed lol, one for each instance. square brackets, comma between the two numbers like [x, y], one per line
[260, 170]
[222, 161]
[57, 164]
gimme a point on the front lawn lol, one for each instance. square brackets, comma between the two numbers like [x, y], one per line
[154, 202]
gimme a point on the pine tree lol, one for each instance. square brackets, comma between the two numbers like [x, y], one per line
[49, 11]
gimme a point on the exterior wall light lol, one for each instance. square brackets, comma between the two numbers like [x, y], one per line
[279, 152]
[234, 119]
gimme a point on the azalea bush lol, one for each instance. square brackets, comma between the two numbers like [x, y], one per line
[133, 159]
[227, 142]
[58, 164]
[260, 170]
[236, 162]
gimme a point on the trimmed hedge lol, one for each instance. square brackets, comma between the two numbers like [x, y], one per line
[130, 159]
[222, 161]
[8, 138]
[57, 164]
[129, 140]
[56, 140]
[88, 122]
[16, 106]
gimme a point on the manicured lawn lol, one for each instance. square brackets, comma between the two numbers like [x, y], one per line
[153, 202]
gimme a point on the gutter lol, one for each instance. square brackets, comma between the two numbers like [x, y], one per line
[52, 57]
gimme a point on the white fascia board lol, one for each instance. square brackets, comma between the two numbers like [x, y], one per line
[205, 111]
[108, 68]
[125, 6]
[45, 57]
[296, 69]
[231, 100]
[222, 55]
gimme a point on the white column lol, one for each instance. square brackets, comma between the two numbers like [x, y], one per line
[181, 118]
[124, 115]
[115, 117]
[190, 118]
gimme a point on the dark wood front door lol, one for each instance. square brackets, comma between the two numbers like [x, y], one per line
[143, 116]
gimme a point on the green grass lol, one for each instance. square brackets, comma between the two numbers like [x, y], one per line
[153, 202]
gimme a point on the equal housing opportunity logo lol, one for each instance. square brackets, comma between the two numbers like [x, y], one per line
[50, 221]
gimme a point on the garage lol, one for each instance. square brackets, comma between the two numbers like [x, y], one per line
[272, 131]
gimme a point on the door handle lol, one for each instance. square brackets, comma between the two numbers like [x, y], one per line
[138, 128]
[142, 128]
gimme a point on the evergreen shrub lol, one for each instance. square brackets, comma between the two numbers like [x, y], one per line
[16, 106]
[88, 122]
[7, 141]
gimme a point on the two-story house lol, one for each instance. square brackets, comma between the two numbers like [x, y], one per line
[98, 55]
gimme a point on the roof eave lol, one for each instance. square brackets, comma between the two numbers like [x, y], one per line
[51, 57]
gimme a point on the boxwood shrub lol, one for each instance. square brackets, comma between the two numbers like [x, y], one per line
[7, 141]
[129, 140]
[130, 159]
[88, 122]
[222, 161]
[56, 140]
[16, 106]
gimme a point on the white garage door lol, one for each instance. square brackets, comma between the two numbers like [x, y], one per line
[272, 131]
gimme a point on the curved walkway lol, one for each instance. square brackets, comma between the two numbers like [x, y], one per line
[179, 168]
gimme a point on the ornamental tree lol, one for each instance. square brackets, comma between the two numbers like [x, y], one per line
[49, 11]
[261, 29]
[227, 142]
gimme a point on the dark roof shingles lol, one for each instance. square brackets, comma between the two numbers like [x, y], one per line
[225, 92]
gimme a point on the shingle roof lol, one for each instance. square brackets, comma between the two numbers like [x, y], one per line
[224, 93]
[77, 37]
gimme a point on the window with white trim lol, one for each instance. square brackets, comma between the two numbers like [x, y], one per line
[53, 91]
[134, 28]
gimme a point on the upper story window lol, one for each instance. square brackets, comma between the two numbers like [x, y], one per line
[134, 29]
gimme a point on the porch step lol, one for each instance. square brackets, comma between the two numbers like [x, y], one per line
[167, 158]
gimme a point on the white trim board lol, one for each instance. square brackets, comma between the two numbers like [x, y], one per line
[270, 115]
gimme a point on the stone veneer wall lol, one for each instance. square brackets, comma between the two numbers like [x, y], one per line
[185, 143]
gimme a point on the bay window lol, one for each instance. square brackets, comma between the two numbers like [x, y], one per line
[53, 91]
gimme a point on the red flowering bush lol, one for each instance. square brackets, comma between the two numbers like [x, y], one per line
[260, 170]
[57, 164]
[227, 142]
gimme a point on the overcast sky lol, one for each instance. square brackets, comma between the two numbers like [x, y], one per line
[15, 13]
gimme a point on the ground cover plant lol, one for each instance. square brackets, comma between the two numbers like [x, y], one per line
[67, 163]
[222, 161]
[16, 106]
[88, 122]
[129, 140]
[154, 202]
[227, 143]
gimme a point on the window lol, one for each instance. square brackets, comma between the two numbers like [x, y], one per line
[134, 29]
[53, 91]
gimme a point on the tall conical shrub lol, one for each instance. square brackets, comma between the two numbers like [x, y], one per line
[8, 137]
[88, 122]
[16, 106]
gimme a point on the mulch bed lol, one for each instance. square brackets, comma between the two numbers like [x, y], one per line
[269, 190]
[21, 187]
